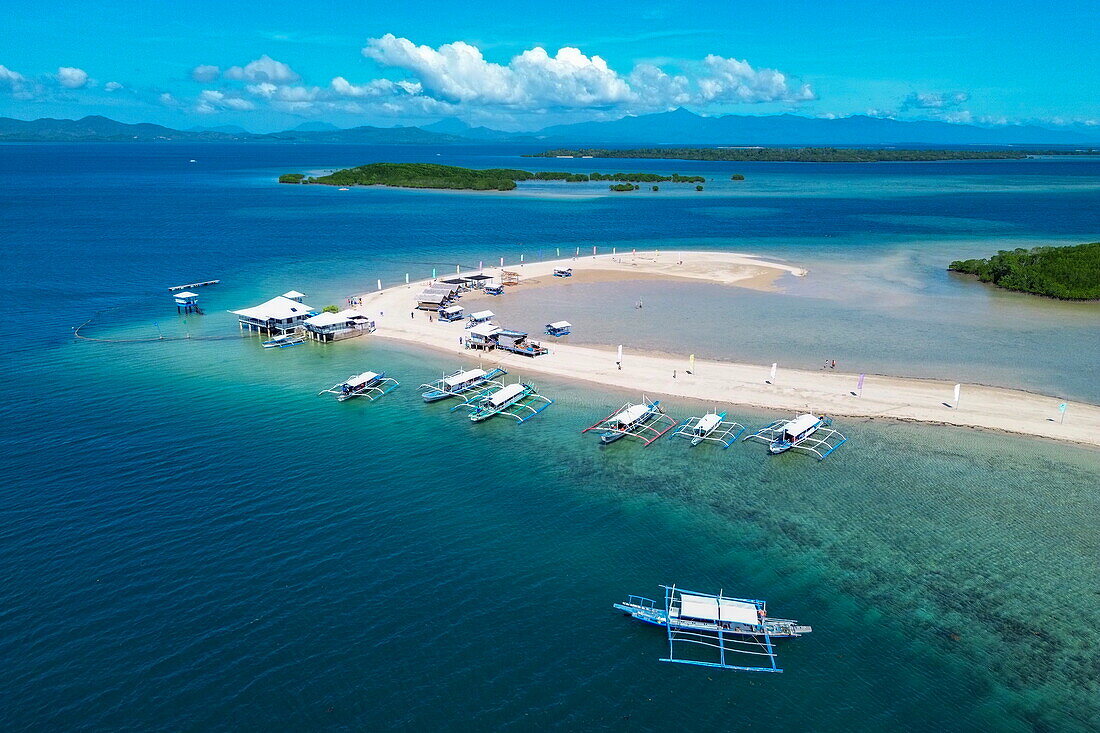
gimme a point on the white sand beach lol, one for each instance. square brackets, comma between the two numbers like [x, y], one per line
[721, 382]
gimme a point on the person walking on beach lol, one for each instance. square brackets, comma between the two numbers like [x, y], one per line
[674, 374]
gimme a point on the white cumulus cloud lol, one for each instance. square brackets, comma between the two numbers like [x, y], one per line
[263, 69]
[205, 73]
[112, 86]
[212, 100]
[9, 78]
[934, 100]
[71, 77]
[535, 80]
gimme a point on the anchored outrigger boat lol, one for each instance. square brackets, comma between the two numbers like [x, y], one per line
[284, 340]
[733, 629]
[641, 420]
[810, 433]
[713, 427]
[461, 382]
[520, 401]
[368, 384]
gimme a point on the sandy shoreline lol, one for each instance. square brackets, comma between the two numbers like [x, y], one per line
[921, 400]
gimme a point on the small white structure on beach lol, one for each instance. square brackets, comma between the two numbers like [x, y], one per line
[483, 336]
[278, 314]
[338, 326]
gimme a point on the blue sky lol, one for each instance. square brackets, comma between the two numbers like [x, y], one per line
[516, 65]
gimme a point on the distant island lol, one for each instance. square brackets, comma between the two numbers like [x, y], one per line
[432, 175]
[798, 155]
[1067, 273]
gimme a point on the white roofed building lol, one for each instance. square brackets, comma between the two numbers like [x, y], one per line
[338, 326]
[278, 314]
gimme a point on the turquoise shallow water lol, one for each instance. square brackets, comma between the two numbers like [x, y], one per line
[194, 540]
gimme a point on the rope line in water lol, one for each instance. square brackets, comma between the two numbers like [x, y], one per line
[77, 334]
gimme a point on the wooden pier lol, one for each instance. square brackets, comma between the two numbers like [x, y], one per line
[193, 285]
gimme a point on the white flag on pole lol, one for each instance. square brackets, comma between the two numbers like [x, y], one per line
[958, 388]
[775, 366]
[619, 357]
[379, 284]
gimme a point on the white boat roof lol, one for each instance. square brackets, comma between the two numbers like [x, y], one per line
[506, 393]
[186, 294]
[452, 309]
[708, 422]
[482, 315]
[801, 423]
[327, 319]
[560, 324]
[718, 609]
[463, 377]
[630, 414]
[485, 330]
[361, 378]
[293, 294]
[278, 307]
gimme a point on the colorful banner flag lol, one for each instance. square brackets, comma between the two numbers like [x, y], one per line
[859, 385]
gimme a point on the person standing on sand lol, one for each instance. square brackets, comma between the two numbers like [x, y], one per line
[674, 374]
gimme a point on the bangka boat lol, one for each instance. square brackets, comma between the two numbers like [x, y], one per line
[730, 633]
[284, 340]
[519, 401]
[808, 433]
[461, 382]
[368, 384]
[642, 420]
[710, 427]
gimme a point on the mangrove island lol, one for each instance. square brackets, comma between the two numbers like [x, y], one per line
[1067, 273]
[431, 175]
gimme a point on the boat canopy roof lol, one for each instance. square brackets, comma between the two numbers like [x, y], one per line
[431, 296]
[482, 315]
[630, 414]
[363, 378]
[563, 269]
[708, 422]
[560, 324]
[451, 309]
[279, 307]
[801, 424]
[707, 608]
[463, 377]
[506, 393]
[485, 330]
[293, 294]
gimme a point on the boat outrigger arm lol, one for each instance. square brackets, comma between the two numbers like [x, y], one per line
[733, 633]
[819, 441]
[643, 421]
[713, 427]
[368, 384]
[518, 401]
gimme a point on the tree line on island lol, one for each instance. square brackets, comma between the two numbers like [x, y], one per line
[433, 175]
[1066, 273]
[796, 155]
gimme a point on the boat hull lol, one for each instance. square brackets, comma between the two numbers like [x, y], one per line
[658, 617]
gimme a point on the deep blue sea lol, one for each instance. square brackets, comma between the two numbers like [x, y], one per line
[193, 540]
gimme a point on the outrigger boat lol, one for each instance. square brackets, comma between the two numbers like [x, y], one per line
[284, 340]
[368, 384]
[563, 272]
[461, 382]
[732, 629]
[713, 427]
[809, 433]
[641, 420]
[493, 290]
[520, 401]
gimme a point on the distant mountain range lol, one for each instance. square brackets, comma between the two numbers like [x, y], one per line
[679, 127]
